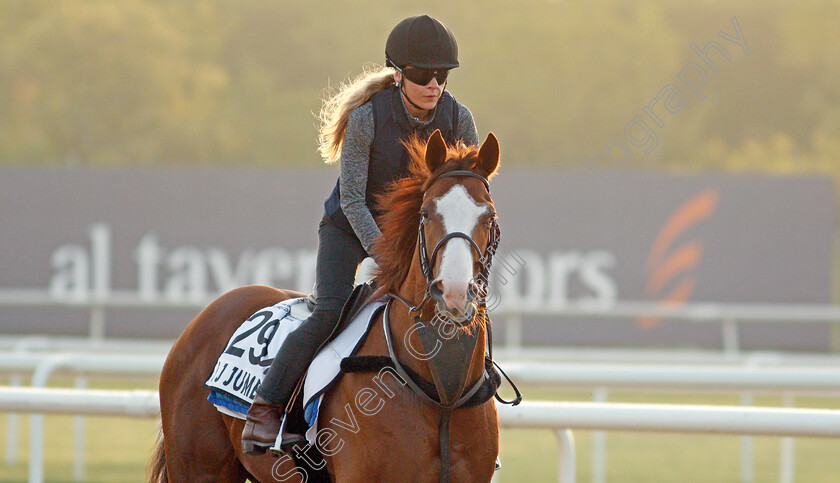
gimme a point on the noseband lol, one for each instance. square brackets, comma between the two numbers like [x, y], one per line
[478, 289]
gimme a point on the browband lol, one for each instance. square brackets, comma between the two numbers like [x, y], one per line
[466, 173]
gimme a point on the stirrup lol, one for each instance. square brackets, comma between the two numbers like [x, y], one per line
[287, 446]
[253, 448]
[284, 446]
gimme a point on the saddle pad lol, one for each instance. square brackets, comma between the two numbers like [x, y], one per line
[245, 360]
[326, 366]
[243, 364]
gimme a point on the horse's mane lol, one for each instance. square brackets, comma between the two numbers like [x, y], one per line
[400, 208]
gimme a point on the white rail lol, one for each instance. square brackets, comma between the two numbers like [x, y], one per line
[725, 379]
[38, 400]
[721, 378]
[728, 314]
[737, 379]
[43, 367]
[13, 297]
[730, 378]
[58, 343]
[673, 418]
[543, 415]
[39, 344]
[752, 358]
[45, 364]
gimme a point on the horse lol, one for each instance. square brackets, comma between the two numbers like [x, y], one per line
[408, 419]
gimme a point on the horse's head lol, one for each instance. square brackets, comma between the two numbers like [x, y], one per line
[440, 220]
[458, 233]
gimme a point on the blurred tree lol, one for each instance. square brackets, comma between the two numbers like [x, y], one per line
[109, 82]
[220, 81]
[558, 80]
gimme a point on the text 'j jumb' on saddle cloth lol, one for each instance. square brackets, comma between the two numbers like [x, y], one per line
[250, 350]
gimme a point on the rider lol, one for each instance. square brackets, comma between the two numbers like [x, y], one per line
[362, 128]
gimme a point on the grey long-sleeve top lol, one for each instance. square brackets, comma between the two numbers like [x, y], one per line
[355, 154]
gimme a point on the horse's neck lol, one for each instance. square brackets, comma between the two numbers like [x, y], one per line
[416, 356]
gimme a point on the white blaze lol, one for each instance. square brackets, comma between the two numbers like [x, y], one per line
[460, 214]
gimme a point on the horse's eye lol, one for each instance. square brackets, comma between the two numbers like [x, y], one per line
[424, 216]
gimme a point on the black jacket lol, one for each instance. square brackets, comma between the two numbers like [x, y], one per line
[388, 157]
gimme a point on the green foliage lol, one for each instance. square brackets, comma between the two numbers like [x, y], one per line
[218, 81]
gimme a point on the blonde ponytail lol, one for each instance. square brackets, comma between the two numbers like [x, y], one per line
[337, 106]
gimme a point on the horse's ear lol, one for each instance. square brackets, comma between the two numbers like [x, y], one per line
[488, 156]
[435, 151]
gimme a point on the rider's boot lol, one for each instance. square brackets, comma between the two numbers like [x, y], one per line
[262, 424]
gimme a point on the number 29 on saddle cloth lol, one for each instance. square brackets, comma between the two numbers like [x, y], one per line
[241, 367]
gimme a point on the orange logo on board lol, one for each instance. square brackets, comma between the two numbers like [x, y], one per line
[670, 269]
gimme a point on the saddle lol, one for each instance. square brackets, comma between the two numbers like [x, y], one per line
[251, 348]
[357, 301]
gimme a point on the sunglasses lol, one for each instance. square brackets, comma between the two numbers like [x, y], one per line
[421, 77]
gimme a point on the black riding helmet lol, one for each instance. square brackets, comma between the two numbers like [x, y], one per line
[423, 42]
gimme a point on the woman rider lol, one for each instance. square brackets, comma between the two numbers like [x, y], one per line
[362, 127]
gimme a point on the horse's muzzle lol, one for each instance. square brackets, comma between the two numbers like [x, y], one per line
[460, 316]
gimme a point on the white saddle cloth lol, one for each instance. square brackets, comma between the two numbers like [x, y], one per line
[250, 350]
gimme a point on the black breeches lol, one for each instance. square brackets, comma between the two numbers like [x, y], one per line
[339, 256]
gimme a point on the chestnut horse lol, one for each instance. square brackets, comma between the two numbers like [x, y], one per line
[374, 425]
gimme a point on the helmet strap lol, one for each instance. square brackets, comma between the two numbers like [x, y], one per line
[401, 85]
[405, 94]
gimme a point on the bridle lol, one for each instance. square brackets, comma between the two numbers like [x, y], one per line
[478, 289]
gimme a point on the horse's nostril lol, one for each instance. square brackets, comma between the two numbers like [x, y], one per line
[455, 296]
